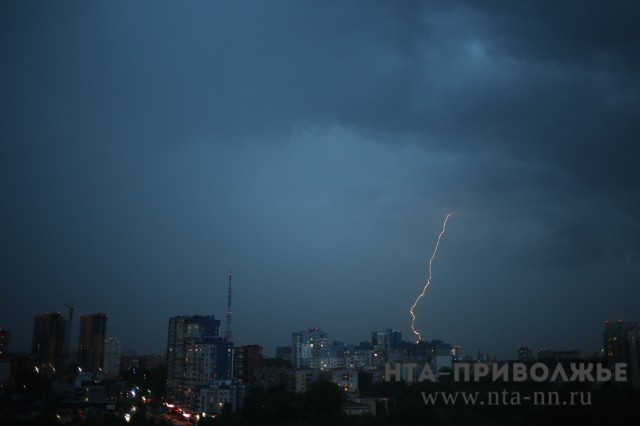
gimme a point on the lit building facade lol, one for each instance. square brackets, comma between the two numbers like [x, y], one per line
[192, 353]
[221, 393]
[347, 380]
[338, 356]
[112, 354]
[307, 348]
[384, 343]
[525, 353]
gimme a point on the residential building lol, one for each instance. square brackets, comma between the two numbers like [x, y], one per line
[299, 380]
[192, 354]
[93, 328]
[112, 356]
[5, 373]
[221, 393]
[621, 345]
[246, 360]
[48, 340]
[307, 348]
[524, 353]
[384, 342]
[347, 380]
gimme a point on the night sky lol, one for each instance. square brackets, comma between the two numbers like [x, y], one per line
[314, 149]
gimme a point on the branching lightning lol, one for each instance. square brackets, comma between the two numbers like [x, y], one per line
[426, 286]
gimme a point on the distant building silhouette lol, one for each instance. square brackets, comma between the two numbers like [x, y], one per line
[551, 355]
[152, 361]
[93, 329]
[621, 345]
[284, 353]
[5, 373]
[4, 343]
[132, 362]
[525, 353]
[5, 365]
[48, 340]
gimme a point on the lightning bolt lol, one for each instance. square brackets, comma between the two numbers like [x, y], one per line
[424, 290]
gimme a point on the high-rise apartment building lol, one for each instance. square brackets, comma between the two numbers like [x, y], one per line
[384, 342]
[93, 329]
[112, 355]
[307, 347]
[246, 360]
[192, 353]
[47, 345]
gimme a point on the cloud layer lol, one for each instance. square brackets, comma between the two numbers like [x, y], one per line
[314, 148]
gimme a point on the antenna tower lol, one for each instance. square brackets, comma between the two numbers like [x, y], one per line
[229, 335]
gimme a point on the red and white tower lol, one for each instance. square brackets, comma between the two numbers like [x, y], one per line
[229, 335]
[228, 339]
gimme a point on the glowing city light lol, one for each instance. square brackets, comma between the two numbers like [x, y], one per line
[424, 290]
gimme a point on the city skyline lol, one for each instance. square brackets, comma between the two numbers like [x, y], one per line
[329, 339]
[147, 149]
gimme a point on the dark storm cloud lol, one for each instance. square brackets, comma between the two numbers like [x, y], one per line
[149, 146]
[545, 83]
[215, 70]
